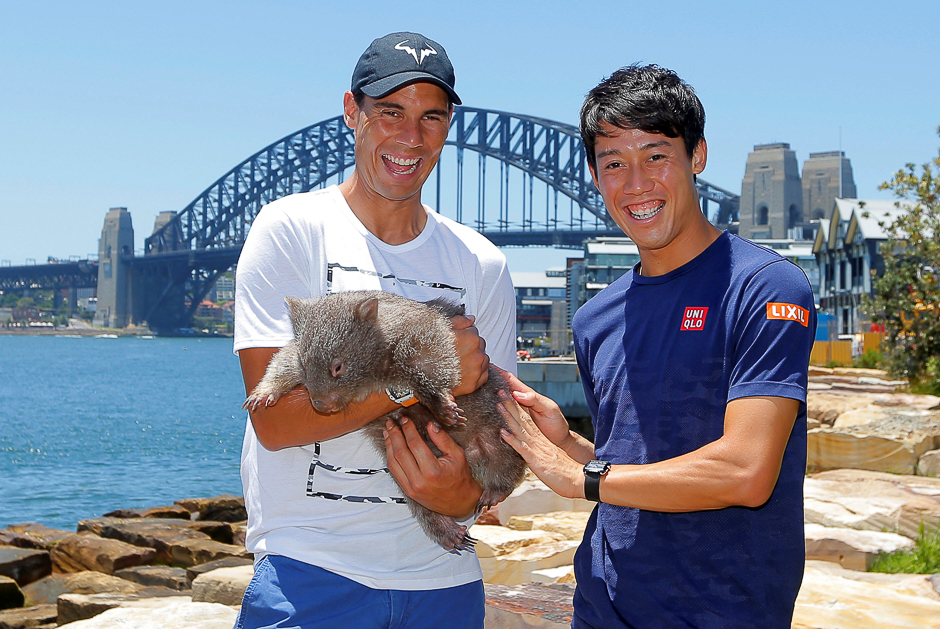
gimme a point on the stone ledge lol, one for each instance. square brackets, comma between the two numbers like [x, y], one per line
[528, 606]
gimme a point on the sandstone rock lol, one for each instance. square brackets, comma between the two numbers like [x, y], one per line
[24, 565]
[175, 614]
[561, 574]
[871, 501]
[868, 388]
[87, 551]
[571, 524]
[161, 535]
[929, 463]
[534, 496]
[860, 372]
[37, 617]
[198, 551]
[494, 541]
[850, 548]
[831, 449]
[882, 381]
[860, 416]
[162, 576]
[31, 535]
[532, 606]
[908, 400]
[834, 598]
[516, 567]
[239, 533]
[10, 594]
[169, 512]
[48, 590]
[224, 508]
[225, 585]
[489, 516]
[73, 607]
[826, 407]
[226, 562]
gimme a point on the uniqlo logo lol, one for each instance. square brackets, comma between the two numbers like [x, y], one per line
[694, 318]
[788, 312]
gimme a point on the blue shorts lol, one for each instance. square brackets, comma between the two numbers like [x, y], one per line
[285, 593]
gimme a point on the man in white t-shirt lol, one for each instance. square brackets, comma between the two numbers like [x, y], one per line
[334, 543]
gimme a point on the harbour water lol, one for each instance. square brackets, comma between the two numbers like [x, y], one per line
[89, 425]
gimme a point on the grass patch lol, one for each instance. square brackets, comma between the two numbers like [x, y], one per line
[923, 559]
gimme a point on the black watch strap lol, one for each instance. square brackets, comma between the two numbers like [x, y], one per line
[593, 472]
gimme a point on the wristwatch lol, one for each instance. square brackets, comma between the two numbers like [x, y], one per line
[593, 472]
[401, 395]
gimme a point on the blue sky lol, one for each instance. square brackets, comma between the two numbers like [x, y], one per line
[140, 105]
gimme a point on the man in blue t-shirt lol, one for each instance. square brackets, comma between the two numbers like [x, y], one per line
[694, 365]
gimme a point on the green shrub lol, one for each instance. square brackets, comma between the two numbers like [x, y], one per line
[923, 559]
[871, 359]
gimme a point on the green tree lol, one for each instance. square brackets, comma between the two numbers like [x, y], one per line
[907, 296]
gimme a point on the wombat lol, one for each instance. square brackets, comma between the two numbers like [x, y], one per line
[348, 345]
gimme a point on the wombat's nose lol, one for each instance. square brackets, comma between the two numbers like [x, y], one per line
[321, 406]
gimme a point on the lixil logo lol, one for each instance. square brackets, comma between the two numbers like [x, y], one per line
[694, 318]
[788, 312]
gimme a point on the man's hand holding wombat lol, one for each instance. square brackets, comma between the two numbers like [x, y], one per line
[471, 351]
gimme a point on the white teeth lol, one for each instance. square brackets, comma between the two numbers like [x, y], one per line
[401, 161]
[650, 213]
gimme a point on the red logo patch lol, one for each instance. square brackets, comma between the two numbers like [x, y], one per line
[694, 318]
[788, 312]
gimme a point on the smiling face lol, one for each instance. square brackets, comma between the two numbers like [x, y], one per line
[648, 185]
[399, 138]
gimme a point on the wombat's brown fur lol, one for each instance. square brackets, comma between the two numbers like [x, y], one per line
[348, 345]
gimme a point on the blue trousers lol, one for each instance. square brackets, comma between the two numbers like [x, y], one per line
[290, 594]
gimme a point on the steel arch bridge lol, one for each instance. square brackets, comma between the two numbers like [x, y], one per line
[538, 192]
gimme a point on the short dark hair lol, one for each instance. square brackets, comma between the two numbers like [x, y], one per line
[648, 98]
[359, 96]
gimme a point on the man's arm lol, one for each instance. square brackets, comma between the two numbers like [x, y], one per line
[739, 469]
[293, 421]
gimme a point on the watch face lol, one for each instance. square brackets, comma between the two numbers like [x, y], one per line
[597, 467]
[399, 392]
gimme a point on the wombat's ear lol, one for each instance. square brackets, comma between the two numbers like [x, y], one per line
[368, 310]
[297, 311]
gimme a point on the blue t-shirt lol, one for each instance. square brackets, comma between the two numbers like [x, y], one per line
[660, 358]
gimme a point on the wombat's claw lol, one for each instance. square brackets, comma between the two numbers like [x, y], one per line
[254, 400]
[451, 415]
[467, 544]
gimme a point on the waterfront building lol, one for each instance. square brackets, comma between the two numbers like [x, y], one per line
[848, 252]
[542, 323]
[605, 260]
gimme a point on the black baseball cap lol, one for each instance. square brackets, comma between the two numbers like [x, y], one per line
[398, 59]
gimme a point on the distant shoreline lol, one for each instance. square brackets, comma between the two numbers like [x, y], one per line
[98, 332]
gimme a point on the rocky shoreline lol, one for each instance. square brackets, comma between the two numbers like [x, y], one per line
[871, 485]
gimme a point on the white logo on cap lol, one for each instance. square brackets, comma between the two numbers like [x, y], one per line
[414, 53]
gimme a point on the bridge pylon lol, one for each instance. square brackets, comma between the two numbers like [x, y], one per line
[114, 275]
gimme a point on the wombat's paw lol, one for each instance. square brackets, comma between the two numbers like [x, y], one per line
[455, 537]
[467, 544]
[490, 498]
[259, 398]
[450, 415]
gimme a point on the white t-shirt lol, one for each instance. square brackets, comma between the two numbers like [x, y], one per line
[333, 503]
